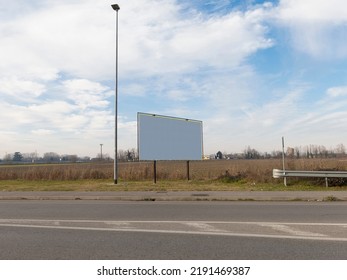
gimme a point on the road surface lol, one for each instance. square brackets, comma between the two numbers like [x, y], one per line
[172, 230]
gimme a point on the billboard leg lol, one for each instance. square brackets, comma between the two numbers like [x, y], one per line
[155, 172]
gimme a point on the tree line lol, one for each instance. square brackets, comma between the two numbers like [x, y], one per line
[308, 151]
[52, 157]
[48, 157]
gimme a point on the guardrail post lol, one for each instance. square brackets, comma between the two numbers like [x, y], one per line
[277, 173]
[283, 164]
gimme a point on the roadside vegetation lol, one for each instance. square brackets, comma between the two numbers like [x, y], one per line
[209, 175]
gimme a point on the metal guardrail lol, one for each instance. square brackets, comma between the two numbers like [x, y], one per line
[277, 173]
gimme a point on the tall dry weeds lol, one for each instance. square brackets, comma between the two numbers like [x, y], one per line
[258, 171]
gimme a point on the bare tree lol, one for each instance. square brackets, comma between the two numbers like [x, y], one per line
[290, 152]
[251, 153]
[51, 157]
[8, 157]
[340, 149]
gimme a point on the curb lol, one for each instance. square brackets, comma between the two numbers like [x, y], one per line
[179, 196]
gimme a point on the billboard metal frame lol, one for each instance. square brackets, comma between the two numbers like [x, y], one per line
[198, 122]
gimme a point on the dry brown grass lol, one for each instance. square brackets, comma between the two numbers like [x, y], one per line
[257, 171]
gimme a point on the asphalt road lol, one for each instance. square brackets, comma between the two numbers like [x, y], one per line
[172, 230]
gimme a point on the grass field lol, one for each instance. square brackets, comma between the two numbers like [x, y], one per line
[249, 175]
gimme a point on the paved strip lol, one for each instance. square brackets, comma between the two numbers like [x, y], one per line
[306, 231]
[178, 195]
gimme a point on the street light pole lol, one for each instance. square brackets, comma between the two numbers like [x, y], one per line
[101, 151]
[116, 8]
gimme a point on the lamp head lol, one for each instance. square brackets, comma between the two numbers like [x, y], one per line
[115, 7]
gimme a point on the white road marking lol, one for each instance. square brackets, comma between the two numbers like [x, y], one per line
[317, 231]
[290, 230]
[183, 232]
[203, 226]
[172, 222]
[125, 225]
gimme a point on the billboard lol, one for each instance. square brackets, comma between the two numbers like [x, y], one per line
[168, 138]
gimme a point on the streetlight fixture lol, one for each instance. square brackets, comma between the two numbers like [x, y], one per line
[116, 8]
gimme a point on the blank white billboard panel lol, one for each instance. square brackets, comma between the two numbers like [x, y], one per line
[168, 138]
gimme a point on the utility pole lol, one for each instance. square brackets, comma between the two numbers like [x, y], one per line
[116, 8]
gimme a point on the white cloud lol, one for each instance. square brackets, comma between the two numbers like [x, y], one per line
[54, 126]
[257, 125]
[317, 27]
[61, 37]
[337, 91]
[86, 94]
[181, 45]
[313, 10]
[222, 42]
[177, 95]
[22, 90]
[42, 132]
[78, 38]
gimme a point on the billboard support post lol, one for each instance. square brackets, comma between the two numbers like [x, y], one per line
[155, 172]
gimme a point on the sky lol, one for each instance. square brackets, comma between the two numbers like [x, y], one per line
[252, 71]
